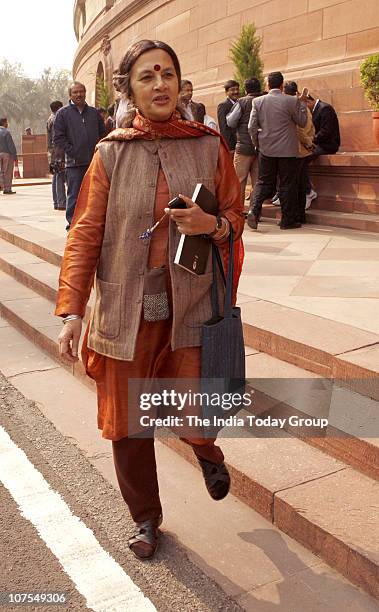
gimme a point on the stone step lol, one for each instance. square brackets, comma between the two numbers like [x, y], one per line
[358, 221]
[315, 499]
[272, 335]
[282, 390]
[279, 385]
[25, 182]
[300, 346]
[33, 241]
[324, 513]
[31, 270]
[344, 205]
[328, 348]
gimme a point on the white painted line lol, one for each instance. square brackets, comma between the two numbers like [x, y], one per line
[96, 575]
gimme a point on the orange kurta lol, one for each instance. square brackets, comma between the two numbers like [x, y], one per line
[154, 357]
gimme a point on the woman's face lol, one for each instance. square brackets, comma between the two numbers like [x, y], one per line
[154, 85]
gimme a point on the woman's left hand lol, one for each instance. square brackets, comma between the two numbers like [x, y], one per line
[192, 220]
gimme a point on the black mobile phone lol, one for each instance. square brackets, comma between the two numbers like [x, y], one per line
[177, 203]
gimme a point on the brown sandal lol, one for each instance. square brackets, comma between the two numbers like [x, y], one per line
[217, 478]
[144, 542]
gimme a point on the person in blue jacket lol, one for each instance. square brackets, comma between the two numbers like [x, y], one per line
[78, 127]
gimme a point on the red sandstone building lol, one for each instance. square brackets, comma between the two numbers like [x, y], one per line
[318, 43]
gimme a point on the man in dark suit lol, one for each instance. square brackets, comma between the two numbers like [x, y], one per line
[195, 110]
[232, 90]
[327, 139]
[77, 130]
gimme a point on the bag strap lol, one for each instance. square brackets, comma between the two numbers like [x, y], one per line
[228, 282]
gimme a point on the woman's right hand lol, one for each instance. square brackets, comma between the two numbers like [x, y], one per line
[68, 340]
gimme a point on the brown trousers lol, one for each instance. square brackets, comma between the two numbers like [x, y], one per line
[6, 171]
[246, 165]
[136, 470]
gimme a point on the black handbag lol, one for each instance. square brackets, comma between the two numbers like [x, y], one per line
[223, 351]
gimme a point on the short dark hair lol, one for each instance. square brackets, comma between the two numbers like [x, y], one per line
[252, 85]
[290, 88]
[3, 121]
[275, 80]
[231, 83]
[75, 84]
[185, 82]
[56, 105]
[134, 52]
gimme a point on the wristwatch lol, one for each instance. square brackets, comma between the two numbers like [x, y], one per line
[217, 228]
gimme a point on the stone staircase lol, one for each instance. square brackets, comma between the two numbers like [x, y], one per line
[322, 491]
[348, 192]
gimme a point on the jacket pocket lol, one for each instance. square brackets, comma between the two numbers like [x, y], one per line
[199, 307]
[107, 312]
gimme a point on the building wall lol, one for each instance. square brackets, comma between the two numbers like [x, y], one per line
[318, 43]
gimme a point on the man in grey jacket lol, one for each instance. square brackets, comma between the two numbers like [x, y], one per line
[272, 127]
[8, 156]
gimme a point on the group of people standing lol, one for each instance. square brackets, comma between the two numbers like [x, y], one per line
[273, 137]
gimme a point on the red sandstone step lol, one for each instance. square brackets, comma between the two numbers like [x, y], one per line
[268, 327]
[345, 205]
[344, 438]
[326, 347]
[295, 486]
[31, 271]
[34, 241]
[283, 390]
[357, 221]
[31, 183]
[332, 513]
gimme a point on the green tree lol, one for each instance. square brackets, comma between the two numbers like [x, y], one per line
[103, 97]
[245, 54]
[26, 101]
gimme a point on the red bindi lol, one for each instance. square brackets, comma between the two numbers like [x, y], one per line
[157, 67]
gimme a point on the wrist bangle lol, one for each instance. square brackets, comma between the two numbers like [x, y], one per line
[71, 317]
[217, 228]
[224, 230]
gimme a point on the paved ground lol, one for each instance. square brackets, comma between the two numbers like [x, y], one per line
[27, 561]
[213, 556]
[329, 272]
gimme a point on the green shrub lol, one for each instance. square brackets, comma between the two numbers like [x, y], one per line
[245, 54]
[370, 80]
[103, 97]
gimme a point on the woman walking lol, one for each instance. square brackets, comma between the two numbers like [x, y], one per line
[136, 170]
